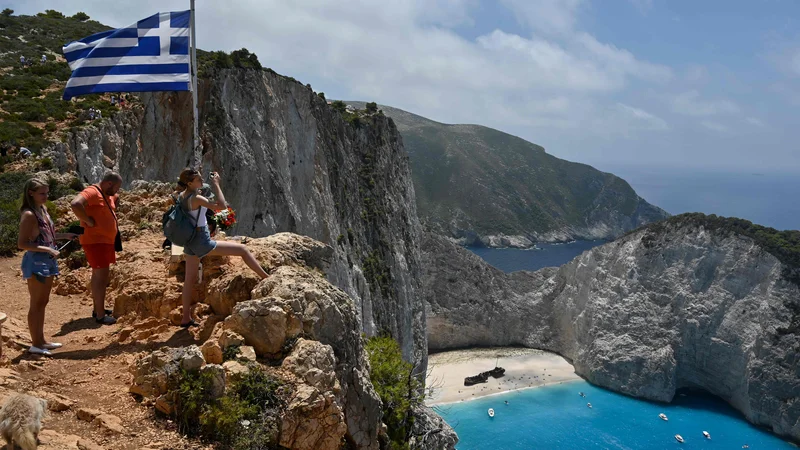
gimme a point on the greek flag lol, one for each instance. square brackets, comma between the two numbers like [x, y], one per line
[150, 55]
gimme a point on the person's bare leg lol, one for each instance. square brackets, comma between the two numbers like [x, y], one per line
[189, 281]
[99, 284]
[40, 296]
[235, 249]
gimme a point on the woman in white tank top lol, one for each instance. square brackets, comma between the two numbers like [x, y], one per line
[201, 245]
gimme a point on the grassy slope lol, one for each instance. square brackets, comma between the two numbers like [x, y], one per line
[492, 182]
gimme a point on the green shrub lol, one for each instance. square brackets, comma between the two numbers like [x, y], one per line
[80, 16]
[399, 390]
[372, 107]
[52, 13]
[51, 127]
[339, 106]
[76, 184]
[321, 95]
[7, 12]
[231, 353]
[76, 260]
[244, 418]
[45, 163]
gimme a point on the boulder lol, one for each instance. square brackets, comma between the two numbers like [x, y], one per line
[229, 289]
[153, 372]
[212, 351]
[218, 376]
[234, 370]
[313, 420]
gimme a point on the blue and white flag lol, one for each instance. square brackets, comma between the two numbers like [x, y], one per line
[150, 55]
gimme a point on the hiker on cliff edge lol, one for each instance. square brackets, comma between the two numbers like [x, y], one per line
[201, 244]
[96, 207]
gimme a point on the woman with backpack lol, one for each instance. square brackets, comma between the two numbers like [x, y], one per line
[37, 236]
[200, 244]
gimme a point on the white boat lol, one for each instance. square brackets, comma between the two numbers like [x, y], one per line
[491, 412]
[679, 438]
[589, 405]
[706, 434]
[663, 416]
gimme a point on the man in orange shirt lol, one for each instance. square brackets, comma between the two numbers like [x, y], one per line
[96, 207]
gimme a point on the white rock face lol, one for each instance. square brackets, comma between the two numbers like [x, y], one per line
[644, 315]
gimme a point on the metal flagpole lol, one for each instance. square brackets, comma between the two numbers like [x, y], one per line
[196, 136]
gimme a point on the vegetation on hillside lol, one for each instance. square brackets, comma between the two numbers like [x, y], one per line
[11, 184]
[399, 390]
[784, 245]
[476, 178]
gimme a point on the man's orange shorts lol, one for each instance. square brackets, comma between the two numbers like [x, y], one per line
[100, 256]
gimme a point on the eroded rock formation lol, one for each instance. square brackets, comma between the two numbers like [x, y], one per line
[655, 311]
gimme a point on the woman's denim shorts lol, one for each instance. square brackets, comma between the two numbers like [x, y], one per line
[201, 244]
[38, 263]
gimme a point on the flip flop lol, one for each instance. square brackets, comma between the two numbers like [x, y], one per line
[52, 345]
[39, 351]
[108, 313]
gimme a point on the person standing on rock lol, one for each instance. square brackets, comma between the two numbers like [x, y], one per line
[96, 207]
[37, 236]
[190, 181]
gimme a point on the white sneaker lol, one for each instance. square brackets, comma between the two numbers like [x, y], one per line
[52, 345]
[39, 351]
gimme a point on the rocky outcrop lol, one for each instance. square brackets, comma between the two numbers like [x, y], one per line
[295, 315]
[289, 163]
[681, 305]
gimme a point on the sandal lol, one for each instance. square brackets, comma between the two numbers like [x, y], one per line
[39, 351]
[108, 313]
[52, 345]
[106, 320]
[190, 324]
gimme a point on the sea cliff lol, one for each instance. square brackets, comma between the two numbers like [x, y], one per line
[685, 303]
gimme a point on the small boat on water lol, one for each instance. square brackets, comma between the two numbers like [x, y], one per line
[491, 412]
[663, 416]
[589, 405]
[582, 394]
[679, 438]
[707, 435]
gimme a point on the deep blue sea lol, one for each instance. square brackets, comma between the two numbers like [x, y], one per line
[544, 255]
[769, 199]
[556, 417]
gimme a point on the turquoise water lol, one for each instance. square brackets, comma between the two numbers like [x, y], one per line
[556, 417]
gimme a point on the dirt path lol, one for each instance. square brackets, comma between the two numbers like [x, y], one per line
[91, 370]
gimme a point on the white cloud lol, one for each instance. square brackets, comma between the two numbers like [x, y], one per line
[546, 16]
[714, 126]
[689, 103]
[643, 118]
[755, 122]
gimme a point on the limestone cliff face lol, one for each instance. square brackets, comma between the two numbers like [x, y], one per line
[645, 315]
[289, 163]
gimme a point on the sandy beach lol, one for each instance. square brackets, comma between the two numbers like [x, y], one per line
[525, 368]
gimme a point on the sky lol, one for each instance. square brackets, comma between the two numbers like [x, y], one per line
[713, 84]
